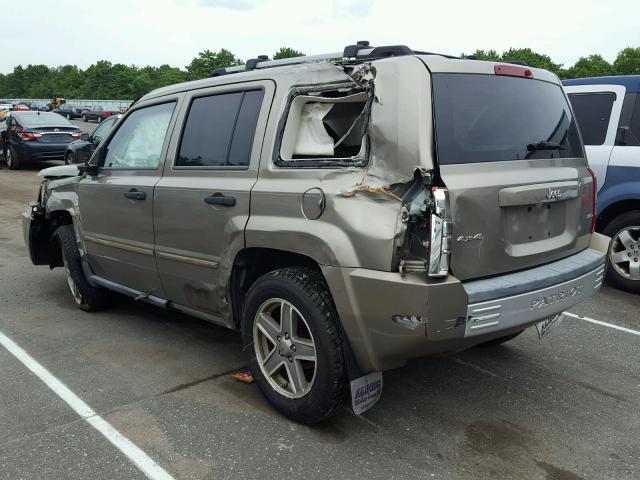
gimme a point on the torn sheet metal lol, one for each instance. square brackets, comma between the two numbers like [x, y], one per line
[399, 129]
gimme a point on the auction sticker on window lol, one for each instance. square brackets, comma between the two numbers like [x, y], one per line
[548, 324]
[365, 392]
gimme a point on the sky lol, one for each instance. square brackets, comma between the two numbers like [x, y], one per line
[156, 32]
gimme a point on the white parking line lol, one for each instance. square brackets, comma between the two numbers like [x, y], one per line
[605, 324]
[145, 463]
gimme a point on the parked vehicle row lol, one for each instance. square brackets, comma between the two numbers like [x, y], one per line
[307, 204]
[6, 105]
[95, 113]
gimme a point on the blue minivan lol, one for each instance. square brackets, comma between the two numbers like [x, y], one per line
[608, 114]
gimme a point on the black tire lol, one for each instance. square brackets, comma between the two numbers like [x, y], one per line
[499, 341]
[308, 292]
[68, 159]
[14, 162]
[99, 119]
[84, 118]
[69, 116]
[612, 229]
[90, 299]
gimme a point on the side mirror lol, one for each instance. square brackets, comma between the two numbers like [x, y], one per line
[91, 170]
[621, 135]
[84, 136]
[92, 166]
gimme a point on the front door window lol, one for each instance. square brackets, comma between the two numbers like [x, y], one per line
[138, 142]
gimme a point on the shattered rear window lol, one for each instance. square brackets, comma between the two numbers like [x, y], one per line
[325, 131]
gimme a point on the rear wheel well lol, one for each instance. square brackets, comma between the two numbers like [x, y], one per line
[251, 263]
[613, 210]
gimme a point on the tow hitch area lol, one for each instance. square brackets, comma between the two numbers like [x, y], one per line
[365, 392]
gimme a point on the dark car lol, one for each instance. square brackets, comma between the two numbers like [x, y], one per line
[36, 106]
[99, 113]
[79, 151]
[69, 110]
[36, 136]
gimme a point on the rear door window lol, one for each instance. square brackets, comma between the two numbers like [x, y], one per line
[489, 118]
[219, 130]
[593, 111]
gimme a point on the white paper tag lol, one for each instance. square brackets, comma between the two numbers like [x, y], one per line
[365, 392]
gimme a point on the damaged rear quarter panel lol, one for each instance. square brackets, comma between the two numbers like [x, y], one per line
[362, 219]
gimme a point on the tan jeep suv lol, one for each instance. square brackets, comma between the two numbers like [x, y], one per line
[345, 212]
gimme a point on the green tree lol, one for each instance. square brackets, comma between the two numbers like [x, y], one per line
[531, 58]
[627, 62]
[490, 55]
[206, 62]
[591, 66]
[287, 52]
[106, 80]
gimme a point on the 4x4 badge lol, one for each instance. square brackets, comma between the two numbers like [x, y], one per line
[470, 238]
[553, 194]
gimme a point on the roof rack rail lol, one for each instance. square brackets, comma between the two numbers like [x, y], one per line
[360, 51]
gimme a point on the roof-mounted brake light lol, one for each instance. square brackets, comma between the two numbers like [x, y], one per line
[513, 71]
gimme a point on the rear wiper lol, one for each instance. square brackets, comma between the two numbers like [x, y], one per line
[544, 145]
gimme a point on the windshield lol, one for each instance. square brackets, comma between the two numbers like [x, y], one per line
[488, 118]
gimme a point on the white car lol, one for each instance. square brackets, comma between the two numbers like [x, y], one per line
[608, 114]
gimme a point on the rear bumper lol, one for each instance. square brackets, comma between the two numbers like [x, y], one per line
[389, 318]
[523, 309]
[43, 151]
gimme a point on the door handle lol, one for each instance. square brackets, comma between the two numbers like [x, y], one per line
[134, 194]
[220, 199]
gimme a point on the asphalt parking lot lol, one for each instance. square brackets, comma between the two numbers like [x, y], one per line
[565, 408]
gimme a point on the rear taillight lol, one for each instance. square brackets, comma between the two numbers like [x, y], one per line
[76, 134]
[513, 71]
[593, 199]
[29, 135]
[440, 238]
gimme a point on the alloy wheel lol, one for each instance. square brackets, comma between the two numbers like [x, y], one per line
[624, 252]
[284, 347]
